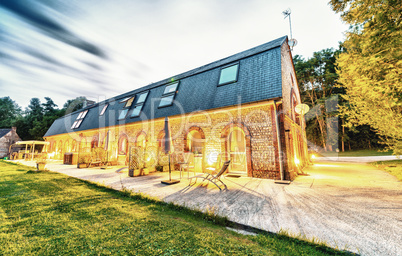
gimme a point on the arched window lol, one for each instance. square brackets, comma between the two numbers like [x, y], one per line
[74, 146]
[161, 140]
[195, 141]
[83, 143]
[237, 150]
[236, 142]
[106, 140]
[66, 146]
[123, 145]
[141, 140]
[60, 148]
[95, 141]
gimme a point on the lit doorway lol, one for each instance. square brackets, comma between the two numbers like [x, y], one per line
[236, 148]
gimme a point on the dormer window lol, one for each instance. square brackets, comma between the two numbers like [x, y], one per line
[141, 97]
[229, 74]
[79, 119]
[168, 95]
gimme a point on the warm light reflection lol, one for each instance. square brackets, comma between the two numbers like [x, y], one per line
[212, 158]
[297, 161]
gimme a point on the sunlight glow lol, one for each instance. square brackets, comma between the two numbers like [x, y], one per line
[297, 161]
[212, 158]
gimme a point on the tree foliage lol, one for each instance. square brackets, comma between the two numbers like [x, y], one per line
[317, 78]
[370, 69]
[37, 118]
[10, 111]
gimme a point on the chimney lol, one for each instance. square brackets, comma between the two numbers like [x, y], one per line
[88, 103]
[13, 133]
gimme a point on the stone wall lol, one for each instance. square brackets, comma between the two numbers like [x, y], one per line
[293, 137]
[7, 140]
[255, 120]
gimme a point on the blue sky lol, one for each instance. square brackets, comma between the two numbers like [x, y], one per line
[100, 49]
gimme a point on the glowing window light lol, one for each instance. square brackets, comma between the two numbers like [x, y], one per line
[212, 158]
[297, 161]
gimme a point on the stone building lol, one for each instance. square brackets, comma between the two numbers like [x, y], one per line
[240, 108]
[8, 137]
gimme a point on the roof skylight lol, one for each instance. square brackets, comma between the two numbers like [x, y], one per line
[168, 95]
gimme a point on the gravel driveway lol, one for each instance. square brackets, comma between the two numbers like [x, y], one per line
[347, 205]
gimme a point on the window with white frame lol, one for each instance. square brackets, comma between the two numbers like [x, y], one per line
[103, 110]
[229, 74]
[127, 104]
[141, 97]
[79, 119]
[168, 95]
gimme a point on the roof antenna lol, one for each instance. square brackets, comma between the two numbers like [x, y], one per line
[292, 42]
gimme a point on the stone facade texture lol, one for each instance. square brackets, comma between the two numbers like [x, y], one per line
[9, 138]
[255, 120]
[266, 94]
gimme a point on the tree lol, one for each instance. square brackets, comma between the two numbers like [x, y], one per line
[49, 106]
[9, 112]
[370, 68]
[74, 105]
[317, 78]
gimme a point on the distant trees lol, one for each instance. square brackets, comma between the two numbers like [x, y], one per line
[370, 67]
[9, 112]
[33, 123]
[319, 88]
[317, 77]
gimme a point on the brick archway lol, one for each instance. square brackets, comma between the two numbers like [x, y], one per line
[138, 135]
[95, 141]
[123, 144]
[161, 139]
[224, 137]
[192, 128]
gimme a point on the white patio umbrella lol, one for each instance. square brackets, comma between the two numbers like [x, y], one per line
[168, 149]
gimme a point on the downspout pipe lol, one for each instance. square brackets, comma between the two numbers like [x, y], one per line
[278, 137]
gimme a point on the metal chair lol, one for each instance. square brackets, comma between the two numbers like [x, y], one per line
[214, 178]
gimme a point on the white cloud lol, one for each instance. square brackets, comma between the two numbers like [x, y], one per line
[147, 41]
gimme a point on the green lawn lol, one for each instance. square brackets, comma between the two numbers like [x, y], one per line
[363, 152]
[394, 167]
[46, 213]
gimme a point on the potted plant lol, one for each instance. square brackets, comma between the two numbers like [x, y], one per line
[137, 162]
[41, 163]
[159, 168]
[84, 159]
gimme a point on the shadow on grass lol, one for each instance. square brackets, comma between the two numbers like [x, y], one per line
[62, 197]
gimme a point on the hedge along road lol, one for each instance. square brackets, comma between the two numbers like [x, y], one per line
[350, 206]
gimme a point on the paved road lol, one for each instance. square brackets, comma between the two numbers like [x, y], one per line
[357, 159]
[349, 206]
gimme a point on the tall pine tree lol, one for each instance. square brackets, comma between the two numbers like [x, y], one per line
[371, 67]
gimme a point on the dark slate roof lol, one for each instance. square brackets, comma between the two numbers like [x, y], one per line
[4, 132]
[259, 78]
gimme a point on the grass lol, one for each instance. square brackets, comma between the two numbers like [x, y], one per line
[46, 213]
[394, 167]
[362, 152]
